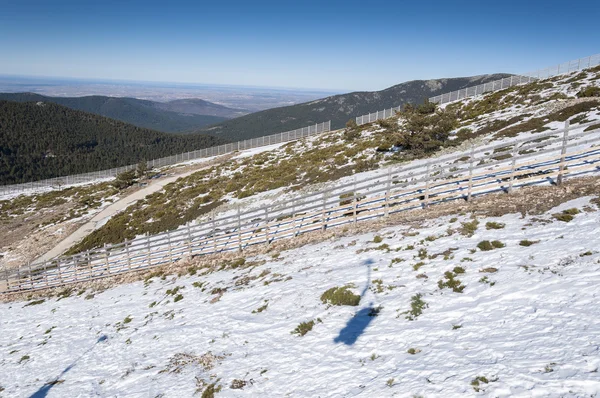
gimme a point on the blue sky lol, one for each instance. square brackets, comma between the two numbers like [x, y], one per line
[334, 45]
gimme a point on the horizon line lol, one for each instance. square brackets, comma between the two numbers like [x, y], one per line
[199, 84]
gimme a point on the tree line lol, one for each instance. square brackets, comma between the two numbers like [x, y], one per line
[44, 140]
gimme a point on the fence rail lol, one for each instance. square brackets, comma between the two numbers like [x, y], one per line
[392, 190]
[560, 69]
[169, 160]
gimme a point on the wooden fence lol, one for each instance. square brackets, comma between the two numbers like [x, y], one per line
[542, 158]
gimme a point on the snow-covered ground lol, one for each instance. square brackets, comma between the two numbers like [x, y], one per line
[527, 320]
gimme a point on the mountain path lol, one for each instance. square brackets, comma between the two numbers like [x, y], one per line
[106, 214]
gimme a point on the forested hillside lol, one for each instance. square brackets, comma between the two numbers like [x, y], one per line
[339, 108]
[196, 106]
[142, 113]
[45, 140]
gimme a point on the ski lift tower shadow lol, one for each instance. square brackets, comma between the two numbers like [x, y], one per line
[357, 325]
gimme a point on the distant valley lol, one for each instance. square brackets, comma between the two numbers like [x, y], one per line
[170, 117]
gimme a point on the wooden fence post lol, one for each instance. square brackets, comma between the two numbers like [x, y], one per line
[30, 276]
[58, 267]
[88, 262]
[294, 218]
[512, 168]
[76, 260]
[128, 255]
[428, 178]
[323, 221]
[387, 192]
[149, 258]
[214, 225]
[355, 205]
[106, 258]
[267, 224]
[45, 275]
[170, 247]
[563, 152]
[239, 228]
[189, 231]
[7, 282]
[471, 160]
[19, 276]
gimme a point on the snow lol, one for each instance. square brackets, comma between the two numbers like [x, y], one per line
[536, 330]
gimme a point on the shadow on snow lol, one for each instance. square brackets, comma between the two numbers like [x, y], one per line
[357, 325]
[43, 391]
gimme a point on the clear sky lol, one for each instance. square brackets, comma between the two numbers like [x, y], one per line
[340, 45]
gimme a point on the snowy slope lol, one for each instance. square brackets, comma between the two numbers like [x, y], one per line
[531, 329]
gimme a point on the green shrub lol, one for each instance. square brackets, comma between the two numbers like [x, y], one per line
[351, 124]
[377, 239]
[417, 305]
[261, 308]
[476, 382]
[563, 217]
[528, 243]
[494, 225]
[566, 215]
[351, 134]
[304, 328]
[590, 91]
[486, 245]
[210, 391]
[237, 263]
[340, 296]
[124, 180]
[174, 291]
[34, 302]
[451, 282]
[469, 228]
[384, 246]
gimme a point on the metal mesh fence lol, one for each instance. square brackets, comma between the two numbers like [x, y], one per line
[566, 67]
[371, 117]
[169, 160]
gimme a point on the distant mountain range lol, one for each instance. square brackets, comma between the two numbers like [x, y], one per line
[174, 116]
[339, 108]
[41, 140]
